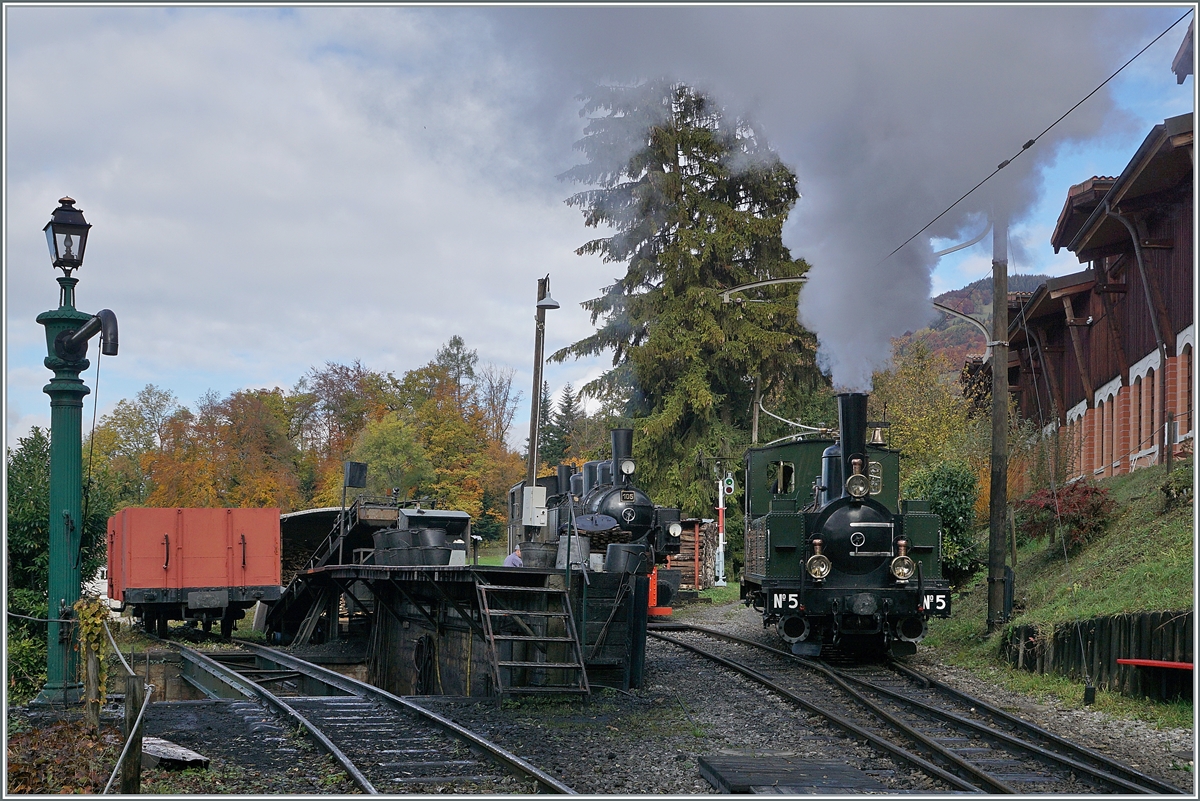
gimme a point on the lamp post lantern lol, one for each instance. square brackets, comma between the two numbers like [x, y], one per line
[67, 333]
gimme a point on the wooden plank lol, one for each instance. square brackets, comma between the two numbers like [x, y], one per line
[1114, 328]
[1077, 344]
[157, 752]
[738, 773]
[310, 620]
[1060, 408]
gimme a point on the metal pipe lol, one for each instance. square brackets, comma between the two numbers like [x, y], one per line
[1158, 338]
[129, 740]
[976, 240]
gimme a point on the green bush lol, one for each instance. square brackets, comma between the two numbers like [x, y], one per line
[1078, 511]
[951, 489]
[1177, 489]
[26, 658]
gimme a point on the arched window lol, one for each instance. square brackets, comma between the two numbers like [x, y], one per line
[1149, 406]
[1187, 424]
[1135, 416]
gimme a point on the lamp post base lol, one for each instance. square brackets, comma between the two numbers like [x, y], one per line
[51, 695]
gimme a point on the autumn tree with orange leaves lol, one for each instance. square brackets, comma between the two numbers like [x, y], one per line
[437, 432]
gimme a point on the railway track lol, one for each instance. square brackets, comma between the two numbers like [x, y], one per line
[385, 743]
[960, 741]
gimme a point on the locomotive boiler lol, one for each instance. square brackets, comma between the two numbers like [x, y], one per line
[841, 562]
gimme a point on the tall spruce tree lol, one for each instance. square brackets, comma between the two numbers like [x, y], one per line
[545, 421]
[696, 201]
[560, 427]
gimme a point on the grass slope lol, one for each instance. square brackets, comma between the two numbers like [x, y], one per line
[1142, 563]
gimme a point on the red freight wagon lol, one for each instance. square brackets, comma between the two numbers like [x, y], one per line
[193, 564]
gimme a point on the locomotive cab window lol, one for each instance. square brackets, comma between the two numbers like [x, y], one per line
[875, 470]
[781, 477]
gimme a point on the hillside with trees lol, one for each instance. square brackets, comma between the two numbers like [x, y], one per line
[957, 339]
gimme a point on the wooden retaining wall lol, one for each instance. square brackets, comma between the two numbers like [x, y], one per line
[1092, 647]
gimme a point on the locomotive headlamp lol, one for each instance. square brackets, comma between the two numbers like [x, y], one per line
[903, 566]
[818, 564]
[627, 467]
[858, 485]
[674, 529]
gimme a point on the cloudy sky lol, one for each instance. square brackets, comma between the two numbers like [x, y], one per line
[273, 188]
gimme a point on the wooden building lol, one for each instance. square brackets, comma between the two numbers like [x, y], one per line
[1105, 355]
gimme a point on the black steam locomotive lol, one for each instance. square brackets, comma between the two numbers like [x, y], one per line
[844, 563]
[601, 503]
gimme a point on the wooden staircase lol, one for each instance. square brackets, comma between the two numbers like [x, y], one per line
[531, 640]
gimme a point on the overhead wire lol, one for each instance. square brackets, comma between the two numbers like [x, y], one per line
[1034, 140]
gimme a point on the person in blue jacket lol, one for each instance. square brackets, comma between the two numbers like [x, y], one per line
[514, 558]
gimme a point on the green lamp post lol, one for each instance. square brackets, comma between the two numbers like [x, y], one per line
[67, 333]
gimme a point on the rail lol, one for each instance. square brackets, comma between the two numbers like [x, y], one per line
[355, 687]
[250, 688]
[1065, 757]
[354, 692]
[847, 725]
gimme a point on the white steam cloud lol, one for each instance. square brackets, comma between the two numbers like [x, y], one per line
[887, 115]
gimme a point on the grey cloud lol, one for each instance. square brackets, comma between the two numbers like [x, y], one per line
[887, 114]
[275, 188]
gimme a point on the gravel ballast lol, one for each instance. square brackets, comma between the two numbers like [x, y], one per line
[649, 741]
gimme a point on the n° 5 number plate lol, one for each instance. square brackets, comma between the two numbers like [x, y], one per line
[784, 601]
[937, 602]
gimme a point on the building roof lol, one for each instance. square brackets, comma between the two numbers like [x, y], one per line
[1182, 63]
[1046, 301]
[1163, 162]
[1082, 200]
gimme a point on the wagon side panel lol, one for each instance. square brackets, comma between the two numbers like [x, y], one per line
[147, 540]
[256, 548]
[205, 548]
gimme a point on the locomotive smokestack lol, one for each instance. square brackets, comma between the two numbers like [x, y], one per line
[564, 478]
[589, 476]
[622, 452]
[852, 431]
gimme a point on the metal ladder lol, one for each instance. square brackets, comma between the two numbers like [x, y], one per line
[534, 657]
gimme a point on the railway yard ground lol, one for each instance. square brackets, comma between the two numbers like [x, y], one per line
[649, 741]
[653, 740]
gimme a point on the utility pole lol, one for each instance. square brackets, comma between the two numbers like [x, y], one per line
[999, 478]
[529, 497]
